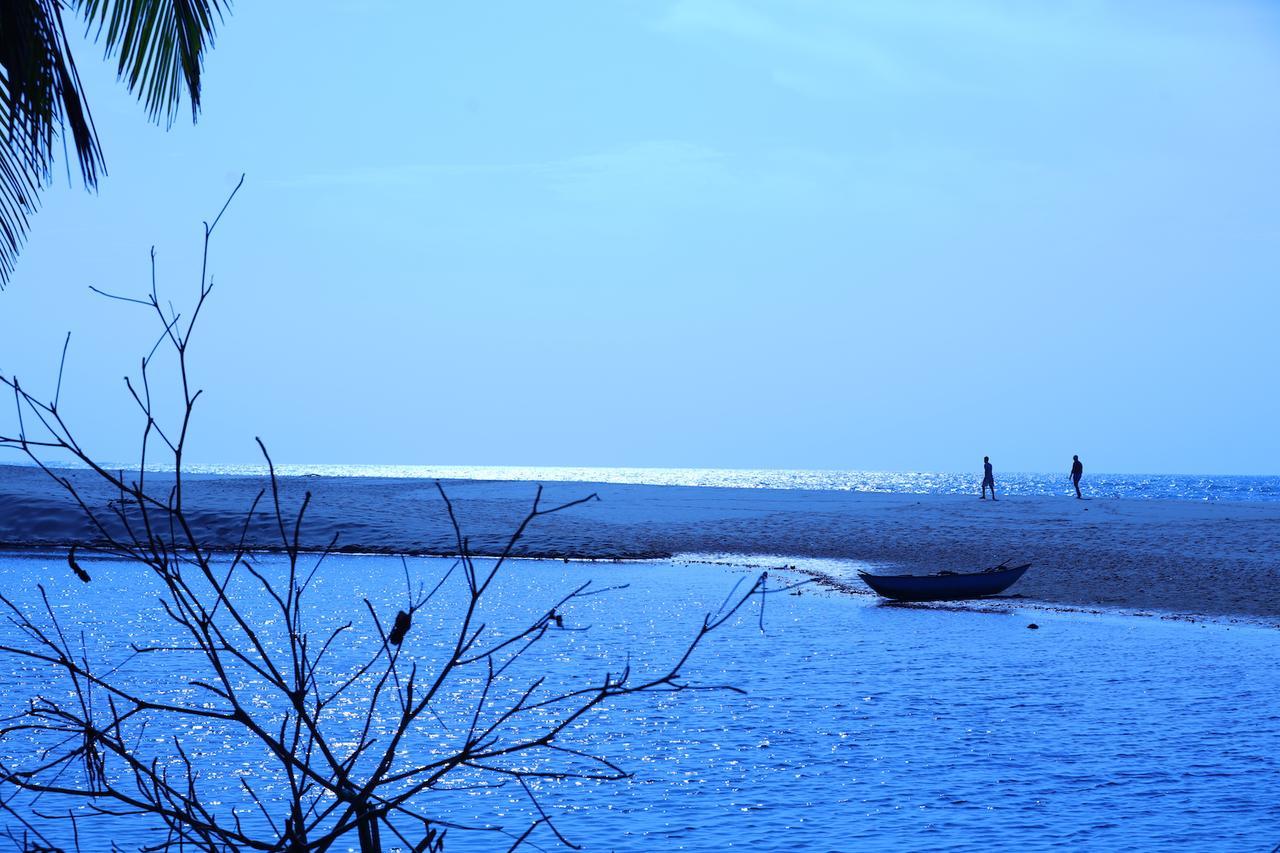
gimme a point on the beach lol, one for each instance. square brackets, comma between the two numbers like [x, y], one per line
[1209, 559]
[587, 443]
[1052, 715]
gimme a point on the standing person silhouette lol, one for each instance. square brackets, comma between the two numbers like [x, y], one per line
[1077, 471]
[988, 478]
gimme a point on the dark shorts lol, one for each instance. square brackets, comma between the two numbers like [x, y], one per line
[989, 481]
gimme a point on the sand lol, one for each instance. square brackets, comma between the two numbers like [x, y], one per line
[1185, 557]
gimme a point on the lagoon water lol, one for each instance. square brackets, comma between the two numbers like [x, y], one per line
[865, 726]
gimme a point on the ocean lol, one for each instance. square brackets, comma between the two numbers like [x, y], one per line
[1191, 487]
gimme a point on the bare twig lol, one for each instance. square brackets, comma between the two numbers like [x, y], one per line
[342, 745]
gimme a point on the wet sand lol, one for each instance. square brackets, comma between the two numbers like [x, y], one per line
[1209, 559]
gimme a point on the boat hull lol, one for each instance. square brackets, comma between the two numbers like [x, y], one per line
[944, 587]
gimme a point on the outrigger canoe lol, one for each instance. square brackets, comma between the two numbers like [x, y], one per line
[945, 586]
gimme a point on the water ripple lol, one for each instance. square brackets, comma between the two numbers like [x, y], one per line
[865, 727]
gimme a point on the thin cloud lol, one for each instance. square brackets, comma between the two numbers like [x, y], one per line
[829, 43]
[648, 174]
[641, 163]
[397, 174]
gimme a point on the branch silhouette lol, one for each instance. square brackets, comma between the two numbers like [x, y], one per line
[343, 747]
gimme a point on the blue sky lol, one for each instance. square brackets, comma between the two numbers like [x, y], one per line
[721, 233]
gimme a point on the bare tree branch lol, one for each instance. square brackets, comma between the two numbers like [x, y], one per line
[342, 735]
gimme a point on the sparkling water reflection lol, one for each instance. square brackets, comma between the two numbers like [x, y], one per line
[865, 727]
[1197, 487]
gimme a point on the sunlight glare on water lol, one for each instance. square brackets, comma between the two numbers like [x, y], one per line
[1140, 486]
[864, 727]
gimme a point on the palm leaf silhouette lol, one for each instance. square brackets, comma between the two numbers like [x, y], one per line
[159, 48]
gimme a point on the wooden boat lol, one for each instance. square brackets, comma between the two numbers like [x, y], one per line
[945, 586]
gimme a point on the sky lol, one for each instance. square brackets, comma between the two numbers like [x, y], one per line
[692, 233]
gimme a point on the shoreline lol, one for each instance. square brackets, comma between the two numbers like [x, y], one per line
[838, 583]
[1200, 559]
[832, 583]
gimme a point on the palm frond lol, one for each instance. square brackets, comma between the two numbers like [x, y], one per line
[40, 98]
[159, 46]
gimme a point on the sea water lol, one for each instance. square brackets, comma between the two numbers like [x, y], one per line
[1196, 487]
[864, 726]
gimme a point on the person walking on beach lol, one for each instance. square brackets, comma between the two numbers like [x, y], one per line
[988, 478]
[1077, 471]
